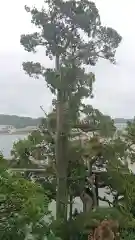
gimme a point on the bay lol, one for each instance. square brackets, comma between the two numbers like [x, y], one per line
[7, 141]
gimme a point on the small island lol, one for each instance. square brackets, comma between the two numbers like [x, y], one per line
[13, 124]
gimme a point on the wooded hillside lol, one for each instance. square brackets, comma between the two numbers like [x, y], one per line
[18, 121]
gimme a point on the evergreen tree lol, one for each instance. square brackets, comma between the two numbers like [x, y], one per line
[63, 28]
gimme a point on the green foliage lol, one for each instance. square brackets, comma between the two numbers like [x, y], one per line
[23, 149]
[76, 170]
[3, 162]
[41, 144]
[86, 221]
[23, 204]
[60, 37]
[60, 24]
[128, 234]
[103, 124]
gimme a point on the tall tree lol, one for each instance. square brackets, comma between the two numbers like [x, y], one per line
[70, 31]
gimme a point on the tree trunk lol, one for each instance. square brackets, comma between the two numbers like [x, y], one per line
[87, 202]
[61, 154]
[94, 194]
[96, 190]
[70, 207]
[90, 180]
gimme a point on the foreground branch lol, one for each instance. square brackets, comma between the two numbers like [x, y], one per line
[104, 199]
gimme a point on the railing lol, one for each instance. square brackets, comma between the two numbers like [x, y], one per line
[44, 170]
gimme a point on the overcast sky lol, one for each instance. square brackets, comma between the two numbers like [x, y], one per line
[114, 89]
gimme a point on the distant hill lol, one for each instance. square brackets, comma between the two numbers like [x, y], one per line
[20, 122]
[17, 121]
[122, 120]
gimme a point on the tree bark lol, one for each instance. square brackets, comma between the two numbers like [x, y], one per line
[87, 202]
[90, 180]
[61, 154]
[70, 207]
[96, 190]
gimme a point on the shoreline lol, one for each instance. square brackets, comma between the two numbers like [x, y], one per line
[14, 133]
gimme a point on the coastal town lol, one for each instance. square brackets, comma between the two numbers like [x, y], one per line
[11, 130]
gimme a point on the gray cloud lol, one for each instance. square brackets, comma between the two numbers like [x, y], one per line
[115, 85]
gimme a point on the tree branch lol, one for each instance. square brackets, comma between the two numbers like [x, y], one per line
[48, 128]
[104, 199]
